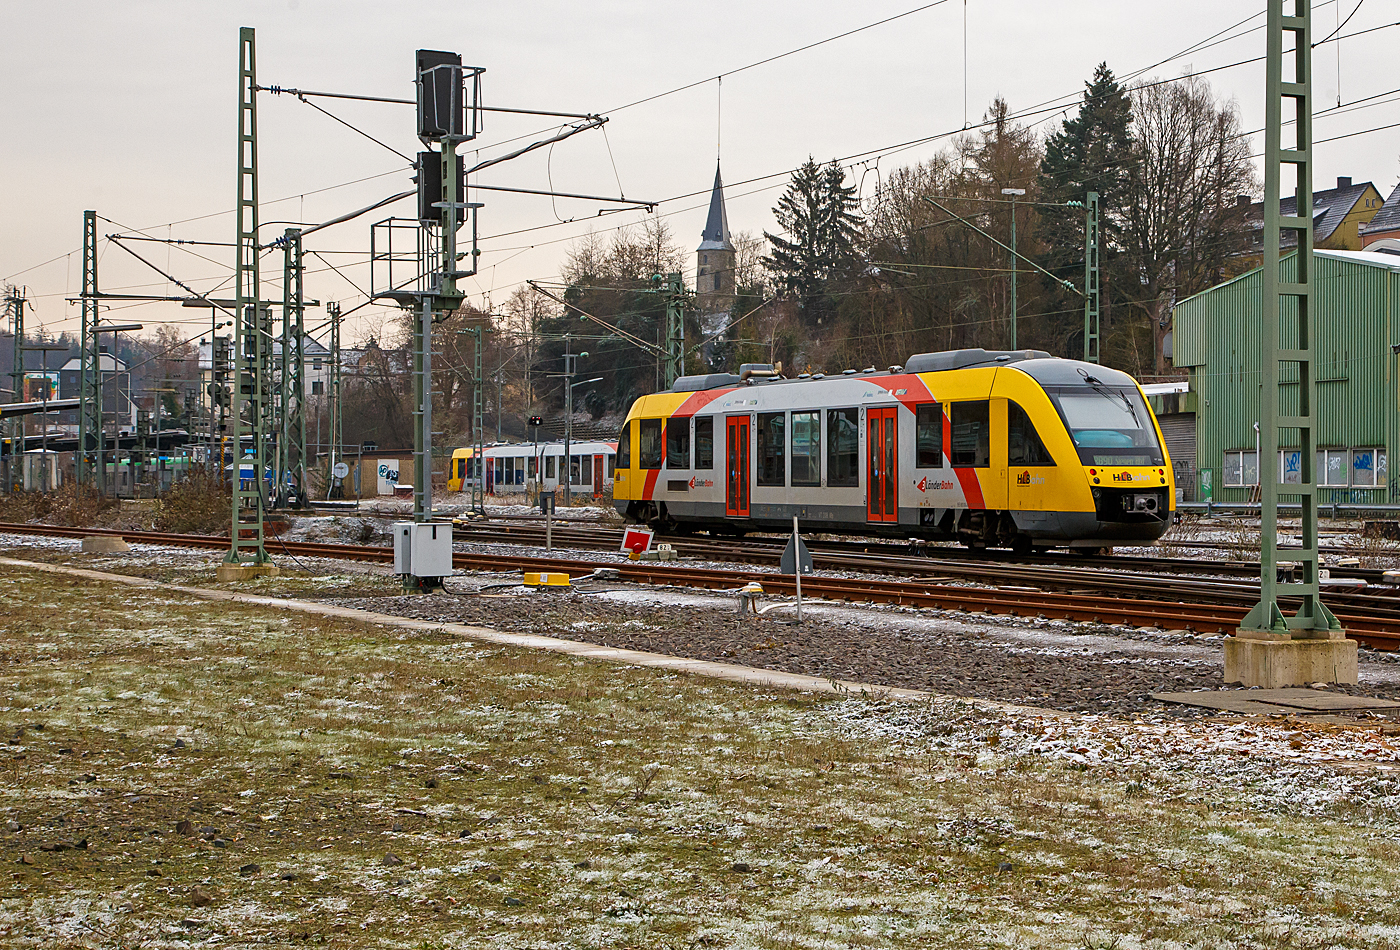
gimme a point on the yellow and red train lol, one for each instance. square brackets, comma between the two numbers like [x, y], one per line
[1016, 449]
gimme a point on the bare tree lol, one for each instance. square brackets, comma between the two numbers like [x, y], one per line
[1183, 225]
[749, 272]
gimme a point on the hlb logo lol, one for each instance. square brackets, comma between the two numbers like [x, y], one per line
[1026, 478]
[701, 482]
[1129, 477]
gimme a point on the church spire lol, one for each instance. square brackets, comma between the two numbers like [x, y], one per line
[715, 237]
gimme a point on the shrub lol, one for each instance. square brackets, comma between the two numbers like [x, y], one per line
[199, 504]
[72, 505]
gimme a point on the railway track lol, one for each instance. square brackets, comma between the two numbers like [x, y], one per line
[900, 557]
[1372, 620]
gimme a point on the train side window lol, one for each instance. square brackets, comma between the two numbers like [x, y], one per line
[677, 443]
[650, 446]
[972, 434]
[549, 466]
[584, 466]
[772, 468]
[928, 435]
[1023, 445]
[533, 463]
[806, 448]
[611, 463]
[705, 442]
[624, 448]
[842, 447]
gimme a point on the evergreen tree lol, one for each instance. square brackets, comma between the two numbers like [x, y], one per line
[1093, 151]
[817, 212]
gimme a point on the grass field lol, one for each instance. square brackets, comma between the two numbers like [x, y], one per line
[183, 773]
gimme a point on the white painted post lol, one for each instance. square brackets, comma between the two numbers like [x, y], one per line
[797, 563]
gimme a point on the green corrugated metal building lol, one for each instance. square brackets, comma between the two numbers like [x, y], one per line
[1216, 338]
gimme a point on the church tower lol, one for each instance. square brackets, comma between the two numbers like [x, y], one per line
[714, 265]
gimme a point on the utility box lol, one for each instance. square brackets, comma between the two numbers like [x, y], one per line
[423, 550]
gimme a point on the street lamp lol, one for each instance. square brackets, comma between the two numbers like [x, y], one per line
[570, 367]
[45, 349]
[114, 329]
[160, 462]
[1013, 193]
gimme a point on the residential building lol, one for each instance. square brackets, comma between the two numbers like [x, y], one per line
[1382, 232]
[1338, 216]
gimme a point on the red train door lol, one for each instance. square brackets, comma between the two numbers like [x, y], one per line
[736, 454]
[881, 450]
[597, 475]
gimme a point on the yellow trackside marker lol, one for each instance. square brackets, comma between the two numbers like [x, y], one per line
[547, 580]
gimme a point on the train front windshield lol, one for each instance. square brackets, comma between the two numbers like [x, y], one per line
[1109, 425]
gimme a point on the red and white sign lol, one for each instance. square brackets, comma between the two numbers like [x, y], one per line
[636, 540]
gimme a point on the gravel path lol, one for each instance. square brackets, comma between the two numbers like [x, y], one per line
[1053, 664]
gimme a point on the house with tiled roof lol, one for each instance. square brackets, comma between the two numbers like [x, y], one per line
[1338, 216]
[1382, 232]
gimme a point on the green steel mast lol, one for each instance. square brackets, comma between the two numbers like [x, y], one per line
[1286, 337]
[291, 446]
[90, 468]
[251, 331]
[1091, 277]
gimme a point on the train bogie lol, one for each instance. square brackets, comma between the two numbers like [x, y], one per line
[991, 449]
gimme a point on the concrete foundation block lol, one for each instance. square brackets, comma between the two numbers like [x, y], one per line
[1278, 662]
[227, 572]
[104, 544]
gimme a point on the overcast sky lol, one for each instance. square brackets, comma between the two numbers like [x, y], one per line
[130, 109]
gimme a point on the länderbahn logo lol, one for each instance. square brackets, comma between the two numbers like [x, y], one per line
[924, 485]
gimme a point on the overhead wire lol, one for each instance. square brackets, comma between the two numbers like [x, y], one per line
[1213, 40]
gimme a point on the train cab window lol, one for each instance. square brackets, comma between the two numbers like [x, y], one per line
[651, 447]
[1023, 445]
[928, 435]
[772, 467]
[677, 443]
[624, 448]
[842, 447]
[972, 434]
[806, 448]
[705, 442]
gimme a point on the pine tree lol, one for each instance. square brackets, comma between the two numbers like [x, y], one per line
[1091, 152]
[817, 212]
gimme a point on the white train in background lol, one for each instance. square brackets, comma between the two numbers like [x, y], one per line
[521, 467]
